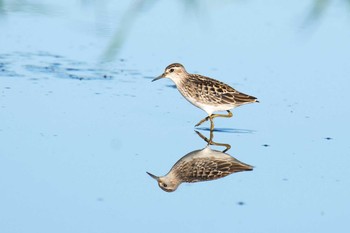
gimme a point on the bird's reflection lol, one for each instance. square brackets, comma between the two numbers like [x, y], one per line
[201, 165]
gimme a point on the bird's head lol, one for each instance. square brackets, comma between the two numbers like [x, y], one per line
[174, 71]
[165, 183]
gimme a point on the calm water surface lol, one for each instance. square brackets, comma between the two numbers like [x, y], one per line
[81, 122]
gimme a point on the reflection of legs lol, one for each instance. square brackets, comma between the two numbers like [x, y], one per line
[212, 116]
[228, 146]
[210, 141]
[202, 136]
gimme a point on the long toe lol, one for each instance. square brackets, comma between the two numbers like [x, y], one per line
[199, 123]
[202, 121]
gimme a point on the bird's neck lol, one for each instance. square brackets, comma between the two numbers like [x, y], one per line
[178, 80]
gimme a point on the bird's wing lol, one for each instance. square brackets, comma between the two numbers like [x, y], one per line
[214, 91]
[210, 169]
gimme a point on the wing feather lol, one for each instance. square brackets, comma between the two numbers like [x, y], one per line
[210, 169]
[210, 90]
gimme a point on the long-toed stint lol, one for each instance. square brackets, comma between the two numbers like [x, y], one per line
[200, 165]
[206, 93]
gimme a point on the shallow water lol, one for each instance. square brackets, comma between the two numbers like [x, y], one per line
[79, 127]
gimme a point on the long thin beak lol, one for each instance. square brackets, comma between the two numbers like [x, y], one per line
[159, 77]
[153, 176]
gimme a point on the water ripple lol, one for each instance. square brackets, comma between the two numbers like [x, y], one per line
[44, 65]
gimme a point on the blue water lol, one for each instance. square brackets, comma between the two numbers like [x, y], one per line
[81, 122]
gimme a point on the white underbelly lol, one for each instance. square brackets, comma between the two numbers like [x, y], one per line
[210, 109]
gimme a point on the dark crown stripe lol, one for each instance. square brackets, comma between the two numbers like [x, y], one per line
[174, 65]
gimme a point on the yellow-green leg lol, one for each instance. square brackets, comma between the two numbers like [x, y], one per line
[212, 116]
[211, 123]
[222, 115]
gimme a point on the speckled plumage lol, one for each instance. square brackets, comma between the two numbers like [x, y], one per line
[212, 92]
[206, 93]
[207, 168]
[200, 165]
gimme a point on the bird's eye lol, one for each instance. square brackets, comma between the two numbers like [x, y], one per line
[165, 185]
[171, 70]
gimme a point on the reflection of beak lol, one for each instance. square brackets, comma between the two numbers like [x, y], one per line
[159, 77]
[153, 176]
